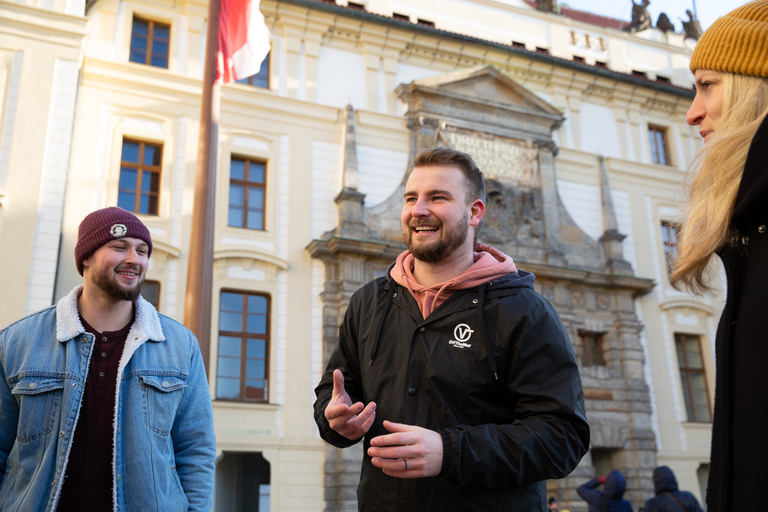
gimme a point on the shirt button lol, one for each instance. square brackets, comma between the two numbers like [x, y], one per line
[101, 374]
[411, 391]
[103, 354]
[104, 338]
[422, 329]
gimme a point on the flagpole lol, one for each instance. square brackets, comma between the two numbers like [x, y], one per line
[197, 305]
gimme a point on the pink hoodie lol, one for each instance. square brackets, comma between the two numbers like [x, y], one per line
[489, 264]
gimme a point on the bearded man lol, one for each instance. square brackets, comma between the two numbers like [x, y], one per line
[104, 403]
[458, 376]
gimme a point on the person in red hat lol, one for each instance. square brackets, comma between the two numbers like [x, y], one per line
[104, 403]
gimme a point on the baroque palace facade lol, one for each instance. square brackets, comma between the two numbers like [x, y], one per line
[578, 125]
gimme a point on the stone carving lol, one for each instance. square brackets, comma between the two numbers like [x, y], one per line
[513, 214]
[641, 19]
[664, 24]
[531, 165]
[692, 27]
[504, 160]
[546, 5]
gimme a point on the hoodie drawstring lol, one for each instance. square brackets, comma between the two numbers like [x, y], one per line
[488, 339]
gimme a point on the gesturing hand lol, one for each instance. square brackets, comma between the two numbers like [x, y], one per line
[350, 420]
[408, 452]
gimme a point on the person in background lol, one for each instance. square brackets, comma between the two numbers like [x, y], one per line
[104, 403]
[726, 213]
[553, 504]
[611, 498]
[458, 376]
[668, 498]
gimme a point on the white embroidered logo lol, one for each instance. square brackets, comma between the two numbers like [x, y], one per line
[118, 230]
[462, 333]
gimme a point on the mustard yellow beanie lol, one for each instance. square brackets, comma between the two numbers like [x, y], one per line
[736, 43]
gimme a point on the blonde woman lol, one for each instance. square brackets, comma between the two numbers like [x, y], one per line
[727, 214]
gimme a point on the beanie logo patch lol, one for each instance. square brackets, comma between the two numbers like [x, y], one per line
[118, 230]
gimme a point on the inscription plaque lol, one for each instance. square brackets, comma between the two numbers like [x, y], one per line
[504, 160]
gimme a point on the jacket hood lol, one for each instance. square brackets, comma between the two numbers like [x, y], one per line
[615, 485]
[664, 480]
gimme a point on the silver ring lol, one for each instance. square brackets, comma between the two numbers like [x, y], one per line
[406, 464]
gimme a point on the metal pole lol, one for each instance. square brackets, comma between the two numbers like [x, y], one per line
[197, 305]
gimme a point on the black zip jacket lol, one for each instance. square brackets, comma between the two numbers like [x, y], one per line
[508, 422]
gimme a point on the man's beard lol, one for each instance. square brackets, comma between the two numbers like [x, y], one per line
[110, 286]
[438, 250]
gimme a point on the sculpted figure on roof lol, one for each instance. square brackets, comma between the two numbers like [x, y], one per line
[546, 5]
[641, 19]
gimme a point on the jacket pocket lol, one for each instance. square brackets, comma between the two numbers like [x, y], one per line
[39, 400]
[162, 394]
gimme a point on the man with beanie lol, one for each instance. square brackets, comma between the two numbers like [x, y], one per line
[459, 378]
[104, 403]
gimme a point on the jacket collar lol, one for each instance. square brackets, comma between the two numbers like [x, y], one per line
[146, 326]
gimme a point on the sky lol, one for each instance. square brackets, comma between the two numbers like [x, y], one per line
[708, 10]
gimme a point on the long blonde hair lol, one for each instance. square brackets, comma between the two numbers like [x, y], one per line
[713, 182]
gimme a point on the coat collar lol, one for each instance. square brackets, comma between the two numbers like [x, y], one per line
[146, 326]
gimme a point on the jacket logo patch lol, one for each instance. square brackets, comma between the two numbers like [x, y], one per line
[462, 333]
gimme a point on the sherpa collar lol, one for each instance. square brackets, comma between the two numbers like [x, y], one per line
[146, 326]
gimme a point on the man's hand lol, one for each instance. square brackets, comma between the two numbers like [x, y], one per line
[350, 420]
[408, 452]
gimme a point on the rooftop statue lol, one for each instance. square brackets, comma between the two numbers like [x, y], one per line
[692, 27]
[546, 5]
[664, 24]
[641, 20]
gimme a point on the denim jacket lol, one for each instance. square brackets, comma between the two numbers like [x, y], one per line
[164, 447]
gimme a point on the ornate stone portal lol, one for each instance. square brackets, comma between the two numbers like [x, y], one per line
[508, 131]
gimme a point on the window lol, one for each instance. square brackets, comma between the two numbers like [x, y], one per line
[139, 186]
[243, 347]
[592, 344]
[247, 189]
[659, 149]
[693, 378]
[150, 290]
[669, 239]
[150, 43]
[260, 79]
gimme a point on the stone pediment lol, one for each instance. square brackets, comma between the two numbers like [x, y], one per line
[482, 94]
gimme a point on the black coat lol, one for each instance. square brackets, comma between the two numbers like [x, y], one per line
[668, 497]
[502, 437]
[740, 426]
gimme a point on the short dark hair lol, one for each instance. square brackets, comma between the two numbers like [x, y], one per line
[475, 186]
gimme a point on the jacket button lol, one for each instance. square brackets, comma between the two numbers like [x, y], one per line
[411, 391]
[74, 385]
[61, 434]
[32, 385]
[474, 301]
[761, 229]
[165, 384]
[422, 329]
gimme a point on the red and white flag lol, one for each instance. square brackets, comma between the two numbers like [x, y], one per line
[243, 40]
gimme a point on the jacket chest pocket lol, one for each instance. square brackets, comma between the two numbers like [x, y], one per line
[39, 400]
[162, 394]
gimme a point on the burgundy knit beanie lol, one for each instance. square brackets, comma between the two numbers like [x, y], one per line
[101, 226]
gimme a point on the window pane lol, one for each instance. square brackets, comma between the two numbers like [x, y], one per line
[227, 388]
[256, 389]
[128, 178]
[139, 34]
[256, 173]
[231, 322]
[235, 217]
[151, 155]
[254, 369]
[257, 324]
[144, 205]
[236, 195]
[257, 304]
[229, 346]
[693, 350]
[255, 197]
[126, 200]
[237, 169]
[232, 301]
[229, 367]
[151, 292]
[255, 219]
[130, 152]
[257, 349]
